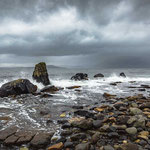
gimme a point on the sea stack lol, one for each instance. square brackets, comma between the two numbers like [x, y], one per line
[40, 74]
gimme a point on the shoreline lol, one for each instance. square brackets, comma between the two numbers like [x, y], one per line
[112, 126]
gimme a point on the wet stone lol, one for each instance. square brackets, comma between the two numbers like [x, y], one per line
[84, 146]
[131, 131]
[83, 124]
[11, 140]
[97, 123]
[57, 146]
[135, 111]
[7, 132]
[78, 136]
[24, 137]
[95, 137]
[41, 139]
[108, 147]
[68, 145]
[113, 135]
[84, 113]
[129, 146]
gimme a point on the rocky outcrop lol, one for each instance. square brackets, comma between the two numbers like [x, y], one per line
[122, 74]
[40, 74]
[99, 75]
[80, 76]
[17, 87]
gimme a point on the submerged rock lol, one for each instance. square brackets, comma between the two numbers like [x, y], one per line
[40, 74]
[50, 89]
[122, 74]
[17, 87]
[80, 76]
[99, 75]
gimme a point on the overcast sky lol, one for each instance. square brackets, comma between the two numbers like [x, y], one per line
[94, 33]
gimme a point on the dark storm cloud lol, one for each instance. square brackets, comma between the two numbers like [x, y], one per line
[97, 28]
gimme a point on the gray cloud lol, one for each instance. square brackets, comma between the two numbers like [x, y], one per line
[106, 32]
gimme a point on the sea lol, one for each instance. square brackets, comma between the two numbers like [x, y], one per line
[26, 111]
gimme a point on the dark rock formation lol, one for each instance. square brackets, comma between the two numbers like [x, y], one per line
[99, 75]
[122, 74]
[50, 89]
[40, 74]
[17, 87]
[80, 76]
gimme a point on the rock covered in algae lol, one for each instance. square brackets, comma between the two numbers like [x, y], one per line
[17, 87]
[40, 74]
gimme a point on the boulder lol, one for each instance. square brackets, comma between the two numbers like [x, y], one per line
[80, 76]
[40, 74]
[84, 146]
[17, 87]
[99, 75]
[41, 139]
[122, 74]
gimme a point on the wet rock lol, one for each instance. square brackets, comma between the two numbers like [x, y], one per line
[99, 75]
[122, 74]
[66, 132]
[107, 95]
[145, 86]
[113, 83]
[135, 111]
[108, 147]
[68, 145]
[119, 104]
[73, 87]
[97, 123]
[122, 119]
[7, 132]
[113, 134]
[40, 74]
[24, 137]
[66, 125]
[84, 113]
[57, 146]
[62, 121]
[146, 105]
[78, 136]
[11, 140]
[131, 120]
[119, 127]
[83, 124]
[144, 135]
[77, 107]
[84, 146]
[99, 116]
[17, 87]
[131, 131]
[80, 76]
[41, 139]
[105, 127]
[45, 95]
[50, 89]
[95, 137]
[129, 146]
[140, 121]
